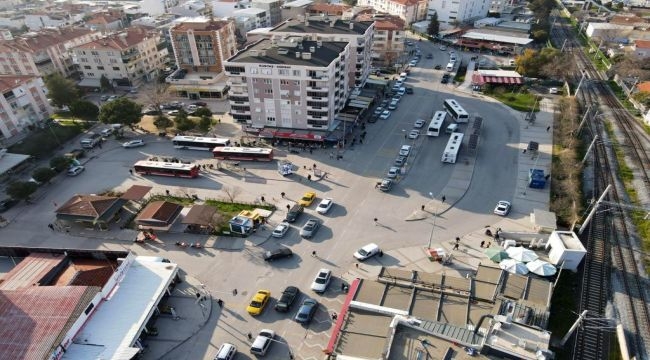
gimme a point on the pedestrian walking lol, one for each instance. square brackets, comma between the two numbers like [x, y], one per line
[456, 246]
[50, 226]
[234, 292]
[457, 240]
[288, 207]
[357, 265]
[250, 336]
[548, 128]
[262, 199]
[524, 151]
[130, 172]
[483, 243]
[309, 177]
[167, 192]
[375, 220]
[381, 253]
[314, 166]
[313, 253]
[334, 316]
[220, 303]
[422, 207]
[283, 194]
[331, 155]
[444, 198]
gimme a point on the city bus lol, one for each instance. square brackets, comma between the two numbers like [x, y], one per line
[198, 143]
[243, 153]
[456, 111]
[453, 146]
[436, 124]
[166, 169]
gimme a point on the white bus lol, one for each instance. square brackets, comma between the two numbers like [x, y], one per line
[436, 124]
[452, 148]
[198, 143]
[456, 111]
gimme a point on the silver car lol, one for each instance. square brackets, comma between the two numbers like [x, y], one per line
[309, 229]
[393, 172]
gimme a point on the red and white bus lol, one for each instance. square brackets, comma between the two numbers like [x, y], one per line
[243, 153]
[166, 169]
[198, 143]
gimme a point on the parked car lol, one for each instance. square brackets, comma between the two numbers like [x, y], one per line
[393, 172]
[385, 115]
[443, 48]
[385, 185]
[6, 204]
[306, 311]
[226, 352]
[322, 280]
[173, 112]
[307, 199]
[258, 302]
[413, 62]
[409, 90]
[413, 134]
[200, 103]
[429, 56]
[419, 123]
[325, 206]
[366, 252]
[133, 143]
[262, 342]
[294, 213]
[502, 208]
[437, 67]
[276, 254]
[75, 170]
[280, 230]
[309, 229]
[289, 296]
[379, 110]
[405, 150]
[107, 131]
[75, 154]
[103, 97]
[400, 160]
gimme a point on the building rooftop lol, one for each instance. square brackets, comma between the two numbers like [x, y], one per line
[199, 23]
[120, 41]
[114, 327]
[263, 52]
[297, 3]
[8, 82]
[386, 22]
[482, 34]
[87, 205]
[331, 9]
[323, 27]
[37, 41]
[642, 44]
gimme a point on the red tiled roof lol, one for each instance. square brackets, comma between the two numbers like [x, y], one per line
[33, 321]
[29, 272]
[87, 205]
[642, 44]
[331, 9]
[136, 192]
[644, 86]
[103, 19]
[8, 82]
[45, 38]
[159, 211]
[506, 80]
[120, 41]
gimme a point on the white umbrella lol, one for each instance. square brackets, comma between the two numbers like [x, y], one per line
[541, 268]
[513, 266]
[521, 254]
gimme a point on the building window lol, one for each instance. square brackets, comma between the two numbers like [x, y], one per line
[253, 70]
[268, 81]
[283, 72]
[87, 67]
[296, 73]
[100, 68]
[270, 118]
[268, 91]
[266, 71]
[97, 61]
[94, 53]
[115, 68]
[84, 60]
[90, 74]
[284, 82]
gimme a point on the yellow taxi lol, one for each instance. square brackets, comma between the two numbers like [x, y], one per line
[258, 302]
[307, 199]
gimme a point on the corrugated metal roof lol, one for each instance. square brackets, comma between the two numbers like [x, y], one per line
[498, 38]
[117, 322]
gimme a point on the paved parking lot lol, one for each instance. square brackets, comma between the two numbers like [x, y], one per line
[471, 188]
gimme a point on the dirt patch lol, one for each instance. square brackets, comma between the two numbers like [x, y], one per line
[147, 124]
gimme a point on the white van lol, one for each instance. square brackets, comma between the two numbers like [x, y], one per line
[451, 128]
[450, 67]
[226, 352]
[262, 342]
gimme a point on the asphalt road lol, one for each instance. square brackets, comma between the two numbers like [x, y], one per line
[350, 182]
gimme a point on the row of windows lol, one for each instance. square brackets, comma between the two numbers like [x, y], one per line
[88, 67]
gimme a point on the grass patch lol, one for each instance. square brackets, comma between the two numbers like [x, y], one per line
[622, 96]
[43, 142]
[230, 209]
[460, 75]
[520, 101]
[563, 309]
[180, 200]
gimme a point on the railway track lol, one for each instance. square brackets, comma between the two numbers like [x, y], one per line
[610, 266]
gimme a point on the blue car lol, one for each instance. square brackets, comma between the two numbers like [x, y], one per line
[306, 312]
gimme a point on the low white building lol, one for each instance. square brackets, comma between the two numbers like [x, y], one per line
[455, 12]
[641, 48]
[607, 31]
[23, 103]
[249, 19]
[565, 250]
[409, 10]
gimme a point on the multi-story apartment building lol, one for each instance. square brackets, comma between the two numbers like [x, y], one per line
[273, 9]
[46, 52]
[292, 82]
[201, 46]
[157, 7]
[409, 10]
[452, 12]
[127, 58]
[388, 42]
[358, 33]
[22, 103]
[106, 21]
[249, 19]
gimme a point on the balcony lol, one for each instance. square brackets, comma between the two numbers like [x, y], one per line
[238, 98]
[316, 75]
[317, 88]
[325, 107]
[240, 112]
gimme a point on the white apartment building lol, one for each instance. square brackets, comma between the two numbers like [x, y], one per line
[23, 102]
[43, 53]
[127, 58]
[358, 33]
[273, 9]
[249, 19]
[388, 42]
[452, 12]
[408, 10]
[157, 7]
[289, 82]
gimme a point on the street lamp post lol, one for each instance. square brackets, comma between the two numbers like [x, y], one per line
[433, 227]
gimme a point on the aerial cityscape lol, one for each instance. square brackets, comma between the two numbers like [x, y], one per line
[309, 179]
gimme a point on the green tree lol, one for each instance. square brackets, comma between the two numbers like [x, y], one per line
[61, 90]
[183, 123]
[642, 97]
[202, 111]
[121, 111]
[540, 35]
[21, 190]
[434, 26]
[60, 163]
[162, 122]
[105, 84]
[532, 62]
[205, 123]
[43, 174]
[84, 109]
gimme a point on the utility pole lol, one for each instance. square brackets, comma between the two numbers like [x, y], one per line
[573, 328]
[582, 122]
[593, 142]
[593, 210]
[580, 84]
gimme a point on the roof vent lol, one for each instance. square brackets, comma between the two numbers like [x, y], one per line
[312, 49]
[351, 25]
[306, 56]
[283, 51]
[319, 43]
[297, 54]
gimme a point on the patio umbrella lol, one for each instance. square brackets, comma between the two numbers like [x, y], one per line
[513, 266]
[496, 254]
[521, 254]
[541, 268]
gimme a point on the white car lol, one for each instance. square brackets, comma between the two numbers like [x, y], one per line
[419, 123]
[367, 251]
[325, 206]
[405, 150]
[392, 172]
[414, 134]
[443, 48]
[76, 170]
[379, 110]
[384, 115]
[502, 208]
[322, 280]
[133, 143]
[107, 131]
[280, 230]
[413, 63]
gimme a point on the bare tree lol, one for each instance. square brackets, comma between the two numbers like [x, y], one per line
[218, 221]
[560, 66]
[157, 94]
[232, 192]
